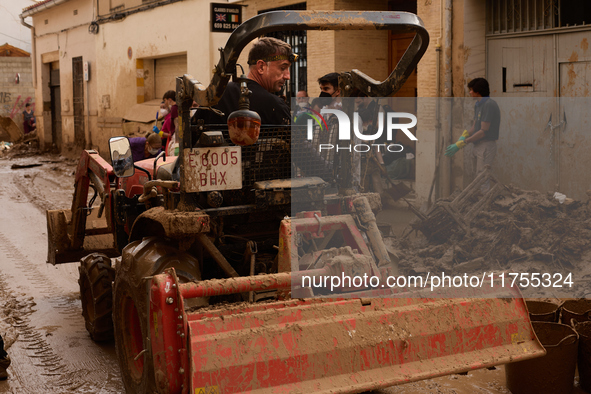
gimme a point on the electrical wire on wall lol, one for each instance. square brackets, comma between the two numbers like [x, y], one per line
[118, 16]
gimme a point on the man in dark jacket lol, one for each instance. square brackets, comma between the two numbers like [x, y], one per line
[269, 61]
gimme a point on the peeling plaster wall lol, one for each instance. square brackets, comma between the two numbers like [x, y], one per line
[66, 35]
[174, 29]
[181, 28]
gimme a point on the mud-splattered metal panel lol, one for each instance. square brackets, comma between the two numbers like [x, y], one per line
[343, 346]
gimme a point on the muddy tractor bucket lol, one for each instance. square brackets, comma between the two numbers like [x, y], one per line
[326, 345]
[60, 241]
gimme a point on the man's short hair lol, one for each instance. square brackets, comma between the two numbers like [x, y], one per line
[266, 48]
[171, 94]
[27, 105]
[331, 78]
[480, 86]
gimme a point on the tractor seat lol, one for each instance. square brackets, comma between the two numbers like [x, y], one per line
[295, 183]
[166, 170]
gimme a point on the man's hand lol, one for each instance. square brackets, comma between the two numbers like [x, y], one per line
[464, 135]
[454, 148]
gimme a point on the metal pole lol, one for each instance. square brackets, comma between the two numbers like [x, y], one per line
[244, 284]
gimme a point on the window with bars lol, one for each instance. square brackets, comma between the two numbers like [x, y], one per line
[299, 42]
[514, 16]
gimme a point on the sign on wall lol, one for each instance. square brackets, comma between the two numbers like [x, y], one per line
[225, 17]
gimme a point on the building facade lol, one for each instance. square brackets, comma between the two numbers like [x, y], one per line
[93, 60]
[527, 49]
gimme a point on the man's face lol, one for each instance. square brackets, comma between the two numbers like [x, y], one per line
[328, 88]
[302, 98]
[474, 94]
[275, 74]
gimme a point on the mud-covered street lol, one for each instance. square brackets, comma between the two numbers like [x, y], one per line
[40, 308]
[41, 320]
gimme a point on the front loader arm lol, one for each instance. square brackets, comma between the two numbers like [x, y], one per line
[91, 167]
[67, 230]
[399, 22]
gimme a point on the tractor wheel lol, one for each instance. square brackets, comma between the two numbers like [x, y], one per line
[142, 259]
[96, 278]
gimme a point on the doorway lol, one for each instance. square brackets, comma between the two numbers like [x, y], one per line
[78, 101]
[56, 106]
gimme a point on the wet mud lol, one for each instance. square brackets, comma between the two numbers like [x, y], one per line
[40, 310]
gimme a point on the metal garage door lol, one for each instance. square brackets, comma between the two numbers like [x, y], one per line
[166, 70]
[539, 68]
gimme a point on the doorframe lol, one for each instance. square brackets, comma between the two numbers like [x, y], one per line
[78, 103]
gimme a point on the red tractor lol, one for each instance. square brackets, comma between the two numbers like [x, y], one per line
[209, 294]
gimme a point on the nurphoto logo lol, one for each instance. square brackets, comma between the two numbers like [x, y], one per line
[392, 123]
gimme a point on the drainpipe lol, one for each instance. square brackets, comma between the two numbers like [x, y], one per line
[30, 12]
[437, 173]
[447, 92]
[33, 50]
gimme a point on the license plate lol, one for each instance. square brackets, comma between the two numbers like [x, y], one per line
[216, 168]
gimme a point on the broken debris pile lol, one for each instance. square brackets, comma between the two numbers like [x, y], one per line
[27, 147]
[519, 228]
[453, 218]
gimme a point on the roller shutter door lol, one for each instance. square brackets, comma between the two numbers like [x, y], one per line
[166, 70]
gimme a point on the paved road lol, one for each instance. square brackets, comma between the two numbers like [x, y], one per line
[39, 302]
[40, 311]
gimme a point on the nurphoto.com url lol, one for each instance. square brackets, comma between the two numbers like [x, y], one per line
[442, 280]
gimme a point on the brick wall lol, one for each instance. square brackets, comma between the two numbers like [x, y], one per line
[321, 44]
[427, 145]
[429, 12]
[336, 51]
[13, 96]
[365, 50]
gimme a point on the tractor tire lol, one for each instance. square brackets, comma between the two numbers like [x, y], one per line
[141, 259]
[96, 294]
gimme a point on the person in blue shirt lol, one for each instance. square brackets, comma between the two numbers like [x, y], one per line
[484, 132]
